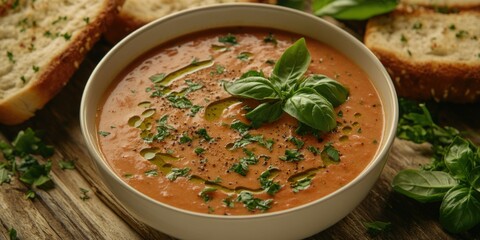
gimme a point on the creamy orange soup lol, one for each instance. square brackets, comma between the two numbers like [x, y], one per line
[169, 129]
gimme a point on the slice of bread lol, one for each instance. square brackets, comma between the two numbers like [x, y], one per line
[136, 13]
[42, 43]
[429, 55]
[456, 4]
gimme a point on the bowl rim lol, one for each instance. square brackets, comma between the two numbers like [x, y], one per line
[92, 142]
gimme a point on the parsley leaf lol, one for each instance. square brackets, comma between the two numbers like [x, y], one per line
[292, 155]
[206, 193]
[267, 183]
[202, 132]
[229, 38]
[301, 184]
[252, 203]
[330, 153]
[177, 172]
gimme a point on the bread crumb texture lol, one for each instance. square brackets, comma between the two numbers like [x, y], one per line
[41, 44]
[429, 55]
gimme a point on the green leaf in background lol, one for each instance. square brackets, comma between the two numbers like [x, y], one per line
[423, 186]
[310, 108]
[332, 90]
[460, 209]
[352, 9]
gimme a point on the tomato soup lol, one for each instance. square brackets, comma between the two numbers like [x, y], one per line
[169, 129]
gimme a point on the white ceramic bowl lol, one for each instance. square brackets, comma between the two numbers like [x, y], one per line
[295, 223]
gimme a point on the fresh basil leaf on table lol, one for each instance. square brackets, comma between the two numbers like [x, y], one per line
[460, 209]
[423, 186]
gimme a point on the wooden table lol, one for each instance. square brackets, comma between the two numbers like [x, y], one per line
[61, 213]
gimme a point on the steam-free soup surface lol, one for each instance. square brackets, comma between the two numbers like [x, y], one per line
[169, 129]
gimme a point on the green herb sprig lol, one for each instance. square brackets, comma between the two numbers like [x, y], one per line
[21, 159]
[308, 99]
[454, 176]
[352, 9]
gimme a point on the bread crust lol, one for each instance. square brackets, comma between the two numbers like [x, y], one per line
[22, 105]
[458, 83]
[128, 21]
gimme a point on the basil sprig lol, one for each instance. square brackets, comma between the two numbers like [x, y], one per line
[308, 99]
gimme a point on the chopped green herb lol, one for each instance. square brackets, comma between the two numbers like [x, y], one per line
[194, 110]
[181, 102]
[329, 152]
[267, 183]
[229, 38]
[240, 127]
[163, 130]
[252, 203]
[403, 39]
[12, 233]
[66, 165]
[10, 57]
[301, 184]
[314, 150]
[185, 138]
[199, 150]
[151, 173]
[177, 172]
[242, 166]
[30, 195]
[192, 86]
[59, 19]
[244, 56]
[298, 143]
[86, 20]
[128, 175]
[66, 36]
[270, 39]
[248, 139]
[35, 68]
[377, 227]
[219, 69]
[206, 193]
[452, 27]
[103, 133]
[461, 34]
[202, 132]
[292, 155]
[84, 194]
[417, 25]
[228, 202]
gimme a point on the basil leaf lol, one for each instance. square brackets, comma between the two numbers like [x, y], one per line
[353, 9]
[475, 178]
[310, 108]
[460, 209]
[258, 88]
[265, 113]
[292, 64]
[423, 186]
[458, 158]
[330, 89]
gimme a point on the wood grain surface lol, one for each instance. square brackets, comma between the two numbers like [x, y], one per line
[61, 213]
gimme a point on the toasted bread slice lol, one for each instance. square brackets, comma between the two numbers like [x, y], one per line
[43, 42]
[429, 55]
[136, 13]
[454, 4]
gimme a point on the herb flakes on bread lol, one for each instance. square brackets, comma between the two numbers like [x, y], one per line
[42, 43]
[429, 55]
[136, 13]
